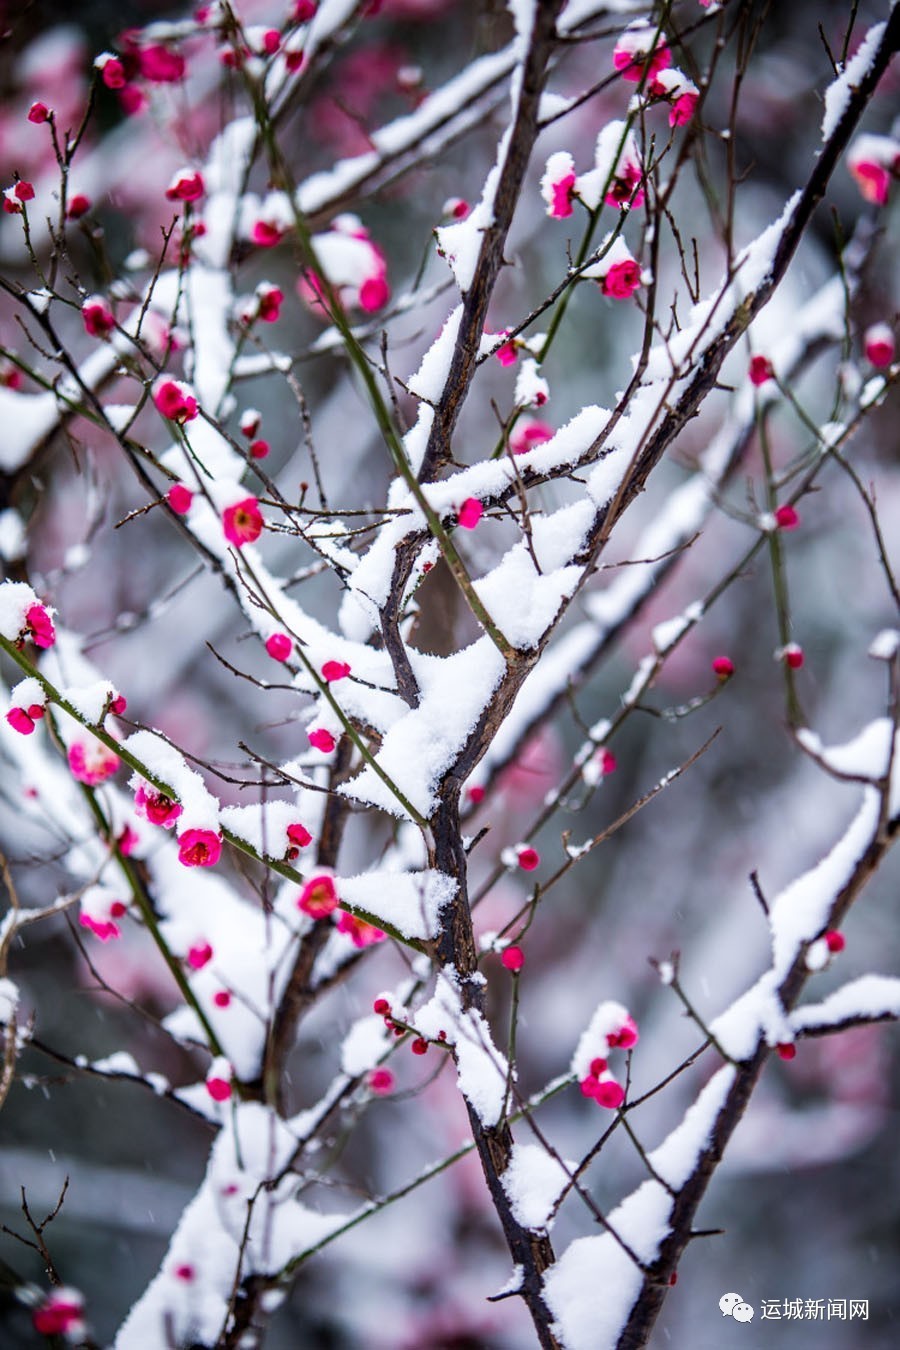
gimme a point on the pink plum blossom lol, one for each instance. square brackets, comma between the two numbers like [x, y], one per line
[159, 64]
[267, 233]
[632, 56]
[174, 400]
[621, 280]
[527, 433]
[270, 299]
[180, 498]
[199, 848]
[60, 1314]
[873, 161]
[186, 186]
[91, 761]
[39, 627]
[625, 188]
[624, 1036]
[156, 806]
[319, 897]
[508, 352]
[456, 208]
[279, 646]
[558, 185]
[361, 934]
[470, 513]
[786, 517]
[99, 320]
[298, 837]
[242, 523]
[335, 670]
[199, 955]
[104, 929]
[23, 719]
[761, 370]
[878, 344]
[112, 71]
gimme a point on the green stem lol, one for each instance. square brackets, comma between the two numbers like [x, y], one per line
[779, 576]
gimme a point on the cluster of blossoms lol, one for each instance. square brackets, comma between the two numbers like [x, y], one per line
[395, 1021]
[13, 197]
[611, 1028]
[139, 61]
[265, 304]
[616, 178]
[319, 900]
[641, 53]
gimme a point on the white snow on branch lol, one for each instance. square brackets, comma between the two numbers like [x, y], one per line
[411, 902]
[799, 915]
[201, 808]
[364, 1045]
[839, 92]
[482, 1070]
[869, 998]
[533, 1182]
[425, 741]
[522, 600]
[866, 756]
[801, 912]
[885, 645]
[594, 1284]
[442, 107]
[252, 1148]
